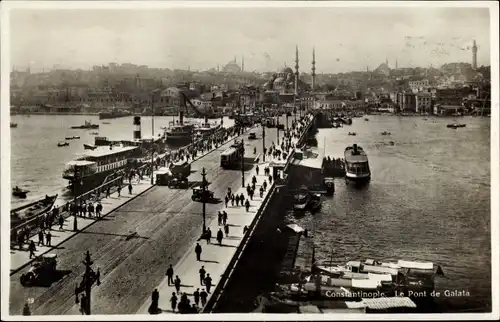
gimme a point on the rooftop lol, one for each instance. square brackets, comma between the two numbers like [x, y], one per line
[359, 157]
[105, 151]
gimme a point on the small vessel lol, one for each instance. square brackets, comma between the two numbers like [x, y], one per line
[18, 192]
[391, 143]
[329, 184]
[89, 147]
[106, 123]
[94, 133]
[356, 164]
[366, 119]
[314, 203]
[87, 125]
[385, 133]
[207, 129]
[72, 137]
[352, 133]
[301, 198]
[60, 144]
[13, 125]
[455, 125]
[39, 207]
[113, 114]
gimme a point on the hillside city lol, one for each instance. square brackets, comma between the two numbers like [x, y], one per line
[456, 87]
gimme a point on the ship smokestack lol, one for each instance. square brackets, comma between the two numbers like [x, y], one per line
[137, 127]
[355, 148]
[206, 119]
[181, 117]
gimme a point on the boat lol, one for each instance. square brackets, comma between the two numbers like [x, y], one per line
[329, 184]
[403, 275]
[206, 129]
[356, 164]
[36, 208]
[13, 125]
[352, 133]
[366, 119]
[106, 123]
[93, 166]
[455, 125]
[72, 138]
[314, 203]
[385, 133]
[18, 192]
[86, 126]
[391, 143]
[113, 114]
[60, 144]
[94, 133]
[89, 147]
[301, 198]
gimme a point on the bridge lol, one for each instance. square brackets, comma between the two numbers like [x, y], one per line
[154, 227]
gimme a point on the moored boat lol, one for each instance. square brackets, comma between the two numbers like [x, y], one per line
[455, 125]
[314, 203]
[352, 133]
[385, 133]
[114, 113]
[329, 184]
[301, 198]
[13, 125]
[357, 166]
[36, 208]
[89, 147]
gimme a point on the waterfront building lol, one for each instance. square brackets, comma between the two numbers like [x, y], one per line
[423, 102]
[418, 85]
[339, 105]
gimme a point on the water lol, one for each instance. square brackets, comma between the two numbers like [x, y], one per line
[36, 161]
[428, 200]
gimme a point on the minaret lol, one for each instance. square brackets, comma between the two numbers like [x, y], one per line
[313, 69]
[396, 64]
[386, 61]
[296, 70]
[474, 56]
[242, 63]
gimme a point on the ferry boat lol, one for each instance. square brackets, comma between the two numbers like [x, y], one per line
[87, 125]
[455, 126]
[245, 119]
[13, 125]
[95, 165]
[207, 129]
[113, 114]
[356, 164]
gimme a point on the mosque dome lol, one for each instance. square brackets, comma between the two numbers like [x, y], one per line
[286, 70]
[289, 77]
[279, 80]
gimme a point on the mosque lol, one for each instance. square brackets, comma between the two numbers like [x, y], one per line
[286, 81]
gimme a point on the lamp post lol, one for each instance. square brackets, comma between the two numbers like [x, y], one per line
[242, 163]
[263, 134]
[278, 130]
[89, 277]
[76, 178]
[152, 132]
[204, 189]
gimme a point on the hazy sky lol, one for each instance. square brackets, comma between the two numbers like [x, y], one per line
[345, 38]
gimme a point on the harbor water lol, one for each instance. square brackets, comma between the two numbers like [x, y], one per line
[428, 200]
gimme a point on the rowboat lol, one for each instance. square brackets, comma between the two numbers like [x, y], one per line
[36, 208]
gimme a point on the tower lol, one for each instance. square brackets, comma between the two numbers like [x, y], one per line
[242, 63]
[313, 71]
[396, 64]
[474, 56]
[137, 127]
[296, 70]
[386, 61]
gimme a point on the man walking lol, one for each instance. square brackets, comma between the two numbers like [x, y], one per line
[208, 282]
[177, 284]
[170, 274]
[197, 250]
[226, 230]
[202, 275]
[173, 301]
[40, 237]
[155, 297]
[203, 297]
[196, 295]
[49, 237]
[224, 217]
[219, 237]
[32, 249]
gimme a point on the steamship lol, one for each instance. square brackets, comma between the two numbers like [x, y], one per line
[356, 164]
[179, 133]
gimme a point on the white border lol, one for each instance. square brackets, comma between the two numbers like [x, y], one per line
[5, 153]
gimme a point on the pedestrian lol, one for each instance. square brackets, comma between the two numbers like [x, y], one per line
[251, 193]
[197, 250]
[40, 237]
[108, 192]
[91, 209]
[26, 309]
[265, 185]
[202, 275]
[119, 189]
[257, 169]
[32, 249]
[232, 200]
[155, 297]
[203, 297]
[177, 284]
[170, 275]
[242, 198]
[261, 190]
[20, 240]
[226, 230]
[270, 179]
[247, 205]
[237, 201]
[219, 237]
[254, 180]
[129, 188]
[98, 209]
[61, 222]
[224, 217]
[219, 218]
[173, 301]
[49, 237]
[196, 295]
[245, 229]
[226, 200]
[209, 235]
[83, 209]
[208, 283]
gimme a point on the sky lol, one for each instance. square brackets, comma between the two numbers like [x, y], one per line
[345, 39]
